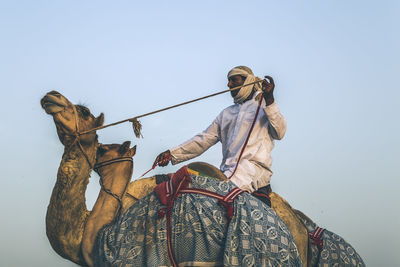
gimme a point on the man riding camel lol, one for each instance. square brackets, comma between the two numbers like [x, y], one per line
[247, 134]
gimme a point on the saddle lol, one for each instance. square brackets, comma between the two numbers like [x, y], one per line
[279, 205]
[140, 188]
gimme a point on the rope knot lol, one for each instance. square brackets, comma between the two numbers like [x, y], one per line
[228, 205]
[137, 127]
[316, 237]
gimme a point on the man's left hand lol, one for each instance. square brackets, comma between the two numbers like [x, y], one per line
[163, 159]
[268, 86]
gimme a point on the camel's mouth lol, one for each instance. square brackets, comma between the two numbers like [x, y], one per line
[53, 102]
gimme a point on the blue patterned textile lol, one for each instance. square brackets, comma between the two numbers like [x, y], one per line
[201, 236]
[335, 251]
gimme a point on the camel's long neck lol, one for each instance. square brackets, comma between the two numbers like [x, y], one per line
[67, 212]
[117, 180]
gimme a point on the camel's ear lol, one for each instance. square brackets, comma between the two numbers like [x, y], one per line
[101, 149]
[132, 151]
[100, 120]
[124, 147]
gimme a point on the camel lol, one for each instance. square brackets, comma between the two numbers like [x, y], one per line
[67, 212]
[78, 235]
[71, 228]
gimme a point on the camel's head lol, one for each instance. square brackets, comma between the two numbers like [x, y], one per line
[114, 157]
[68, 118]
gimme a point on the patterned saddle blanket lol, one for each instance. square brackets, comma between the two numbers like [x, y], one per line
[200, 232]
[329, 249]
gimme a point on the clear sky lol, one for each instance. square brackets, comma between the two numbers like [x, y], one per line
[336, 67]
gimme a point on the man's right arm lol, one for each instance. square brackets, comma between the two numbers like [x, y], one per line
[196, 145]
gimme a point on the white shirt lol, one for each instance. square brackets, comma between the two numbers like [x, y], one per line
[231, 128]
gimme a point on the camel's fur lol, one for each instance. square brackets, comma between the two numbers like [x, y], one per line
[295, 225]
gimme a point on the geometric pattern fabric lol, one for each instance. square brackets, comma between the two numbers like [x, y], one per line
[201, 234]
[335, 250]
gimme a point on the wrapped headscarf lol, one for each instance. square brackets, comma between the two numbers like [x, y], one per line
[245, 91]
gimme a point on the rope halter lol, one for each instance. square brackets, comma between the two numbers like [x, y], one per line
[99, 165]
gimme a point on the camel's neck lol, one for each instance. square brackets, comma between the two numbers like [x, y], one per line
[117, 175]
[117, 178]
[67, 213]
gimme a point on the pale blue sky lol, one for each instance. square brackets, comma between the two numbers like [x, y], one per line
[335, 64]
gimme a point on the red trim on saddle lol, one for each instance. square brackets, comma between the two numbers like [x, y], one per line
[316, 237]
[166, 191]
[170, 190]
[226, 201]
[261, 195]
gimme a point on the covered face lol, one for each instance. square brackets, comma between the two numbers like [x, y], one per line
[244, 92]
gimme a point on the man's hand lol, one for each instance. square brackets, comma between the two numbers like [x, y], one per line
[268, 87]
[163, 159]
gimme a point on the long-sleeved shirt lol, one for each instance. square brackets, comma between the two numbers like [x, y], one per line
[231, 128]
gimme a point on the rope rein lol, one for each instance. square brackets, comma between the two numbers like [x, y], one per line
[248, 136]
[158, 163]
[76, 139]
[137, 128]
[136, 124]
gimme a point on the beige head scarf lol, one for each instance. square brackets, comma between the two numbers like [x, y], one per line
[245, 91]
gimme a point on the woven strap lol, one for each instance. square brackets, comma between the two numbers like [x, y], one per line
[316, 237]
[111, 161]
[169, 191]
[226, 201]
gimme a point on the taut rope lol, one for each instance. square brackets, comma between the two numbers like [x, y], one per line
[136, 124]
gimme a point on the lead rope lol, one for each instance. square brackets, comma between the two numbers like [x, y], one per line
[248, 136]
[136, 124]
[241, 152]
[158, 163]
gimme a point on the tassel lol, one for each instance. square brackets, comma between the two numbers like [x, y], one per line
[137, 127]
